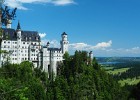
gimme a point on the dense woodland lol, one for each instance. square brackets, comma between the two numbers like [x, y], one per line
[78, 78]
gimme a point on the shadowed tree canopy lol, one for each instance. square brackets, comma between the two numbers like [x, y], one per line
[7, 14]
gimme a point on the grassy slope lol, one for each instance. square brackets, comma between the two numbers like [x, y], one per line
[117, 71]
[129, 81]
[121, 70]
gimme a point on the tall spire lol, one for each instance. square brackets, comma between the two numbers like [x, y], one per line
[18, 26]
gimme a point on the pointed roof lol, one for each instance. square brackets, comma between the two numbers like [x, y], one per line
[18, 26]
[64, 33]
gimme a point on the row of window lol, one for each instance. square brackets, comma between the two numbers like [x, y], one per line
[24, 54]
[53, 51]
[9, 42]
[19, 54]
[26, 59]
[19, 46]
[19, 50]
[53, 58]
[53, 55]
[15, 42]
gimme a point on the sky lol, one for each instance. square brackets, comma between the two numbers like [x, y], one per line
[107, 27]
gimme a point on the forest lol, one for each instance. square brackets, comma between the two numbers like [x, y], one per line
[78, 78]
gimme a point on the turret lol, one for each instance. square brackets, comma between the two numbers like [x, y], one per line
[64, 42]
[18, 30]
[48, 44]
[91, 55]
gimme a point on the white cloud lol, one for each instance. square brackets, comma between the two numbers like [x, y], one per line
[128, 52]
[53, 43]
[19, 3]
[84, 46]
[15, 3]
[63, 2]
[135, 50]
[79, 46]
[42, 35]
[103, 45]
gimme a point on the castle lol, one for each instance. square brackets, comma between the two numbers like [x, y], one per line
[21, 45]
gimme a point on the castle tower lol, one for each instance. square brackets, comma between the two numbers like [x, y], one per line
[64, 43]
[48, 44]
[18, 32]
[91, 55]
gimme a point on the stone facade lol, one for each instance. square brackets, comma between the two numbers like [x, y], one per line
[22, 46]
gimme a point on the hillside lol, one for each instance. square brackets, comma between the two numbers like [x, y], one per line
[76, 80]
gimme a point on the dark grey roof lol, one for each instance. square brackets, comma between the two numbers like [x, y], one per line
[30, 36]
[54, 49]
[10, 34]
[64, 33]
[18, 26]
